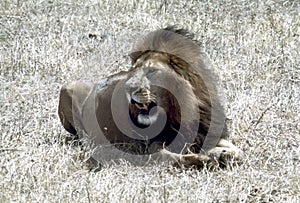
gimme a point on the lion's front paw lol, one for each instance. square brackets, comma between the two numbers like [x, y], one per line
[223, 155]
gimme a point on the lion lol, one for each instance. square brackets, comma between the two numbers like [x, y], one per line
[166, 106]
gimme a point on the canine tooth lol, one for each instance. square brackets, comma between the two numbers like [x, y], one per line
[137, 106]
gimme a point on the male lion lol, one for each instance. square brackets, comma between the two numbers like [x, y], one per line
[165, 106]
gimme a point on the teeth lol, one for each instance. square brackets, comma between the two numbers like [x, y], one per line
[137, 106]
[141, 106]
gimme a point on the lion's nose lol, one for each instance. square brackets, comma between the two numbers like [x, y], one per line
[141, 92]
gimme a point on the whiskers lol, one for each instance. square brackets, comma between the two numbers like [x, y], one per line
[153, 98]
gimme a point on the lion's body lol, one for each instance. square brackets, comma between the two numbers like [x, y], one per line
[169, 71]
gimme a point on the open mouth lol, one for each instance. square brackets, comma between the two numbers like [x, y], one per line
[147, 112]
[144, 108]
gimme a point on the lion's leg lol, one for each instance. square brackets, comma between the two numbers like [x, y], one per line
[184, 159]
[226, 149]
[71, 98]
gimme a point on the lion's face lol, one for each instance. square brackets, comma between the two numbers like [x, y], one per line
[143, 97]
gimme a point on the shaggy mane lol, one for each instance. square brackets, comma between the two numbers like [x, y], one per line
[188, 60]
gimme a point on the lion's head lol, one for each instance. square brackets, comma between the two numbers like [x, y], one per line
[150, 90]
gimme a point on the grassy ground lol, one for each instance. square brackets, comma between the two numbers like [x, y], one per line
[44, 44]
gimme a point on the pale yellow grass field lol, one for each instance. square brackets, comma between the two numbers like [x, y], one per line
[255, 47]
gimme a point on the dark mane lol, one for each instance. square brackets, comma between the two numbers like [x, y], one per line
[180, 46]
[170, 40]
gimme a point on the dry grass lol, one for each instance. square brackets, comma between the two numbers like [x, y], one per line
[44, 44]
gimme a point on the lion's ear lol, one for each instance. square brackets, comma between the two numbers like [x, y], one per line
[134, 56]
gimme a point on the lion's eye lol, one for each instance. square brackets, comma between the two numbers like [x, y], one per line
[152, 72]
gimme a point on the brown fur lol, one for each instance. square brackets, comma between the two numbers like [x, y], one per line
[171, 58]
